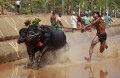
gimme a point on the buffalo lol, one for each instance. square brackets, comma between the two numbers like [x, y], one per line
[41, 38]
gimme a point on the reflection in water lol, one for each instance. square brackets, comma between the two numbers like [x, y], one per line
[15, 71]
[97, 69]
[102, 74]
[31, 74]
[49, 73]
[90, 71]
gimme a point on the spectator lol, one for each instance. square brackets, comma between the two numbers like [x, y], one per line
[53, 19]
[73, 21]
[107, 19]
[59, 24]
[91, 18]
[81, 14]
[18, 6]
[79, 22]
[23, 3]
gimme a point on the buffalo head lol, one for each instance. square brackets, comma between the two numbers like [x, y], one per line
[22, 35]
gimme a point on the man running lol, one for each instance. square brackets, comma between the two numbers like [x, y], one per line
[101, 35]
[53, 19]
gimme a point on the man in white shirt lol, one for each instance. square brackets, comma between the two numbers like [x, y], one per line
[18, 5]
[73, 21]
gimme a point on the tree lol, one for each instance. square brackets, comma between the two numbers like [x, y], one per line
[5, 3]
[66, 6]
[63, 6]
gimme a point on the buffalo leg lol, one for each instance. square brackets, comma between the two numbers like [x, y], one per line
[32, 58]
[31, 54]
[43, 53]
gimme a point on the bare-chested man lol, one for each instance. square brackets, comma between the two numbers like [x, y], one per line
[59, 24]
[101, 35]
[53, 19]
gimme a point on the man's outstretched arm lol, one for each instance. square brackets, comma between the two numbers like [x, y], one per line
[87, 27]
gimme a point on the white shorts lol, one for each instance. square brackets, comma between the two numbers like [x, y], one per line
[74, 25]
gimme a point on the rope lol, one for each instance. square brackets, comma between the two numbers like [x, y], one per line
[62, 27]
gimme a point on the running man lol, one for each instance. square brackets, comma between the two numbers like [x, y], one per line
[53, 19]
[101, 35]
[86, 19]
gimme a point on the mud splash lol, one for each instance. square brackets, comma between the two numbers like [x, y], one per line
[97, 69]
[71, 64]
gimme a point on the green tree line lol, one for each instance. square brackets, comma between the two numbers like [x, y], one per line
[64, 6]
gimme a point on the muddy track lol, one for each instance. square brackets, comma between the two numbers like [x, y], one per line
[10, 25]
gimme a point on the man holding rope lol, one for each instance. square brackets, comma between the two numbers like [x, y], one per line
[101, 35]
[53, 19]
[59, 24]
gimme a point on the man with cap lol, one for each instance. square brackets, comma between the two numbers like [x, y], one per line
[73, 21]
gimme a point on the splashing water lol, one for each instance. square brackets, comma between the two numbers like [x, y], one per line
[71, 63]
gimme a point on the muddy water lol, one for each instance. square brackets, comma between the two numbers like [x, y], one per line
[71, 64]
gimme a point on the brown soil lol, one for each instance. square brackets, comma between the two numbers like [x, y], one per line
[11, 24]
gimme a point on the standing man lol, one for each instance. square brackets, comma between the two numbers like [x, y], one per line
[79, 21]
[110, 19]
[107, 19]
[101, 35]
[73, 21]
[86, 19]
[59, 24]
[53, 19]
[18, 6]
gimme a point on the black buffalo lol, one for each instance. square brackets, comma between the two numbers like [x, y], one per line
[51, 39]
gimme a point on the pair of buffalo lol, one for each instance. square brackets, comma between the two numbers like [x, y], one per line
[41, 38]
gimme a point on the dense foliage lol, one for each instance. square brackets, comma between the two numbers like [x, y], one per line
[31, 6]
[5, 3]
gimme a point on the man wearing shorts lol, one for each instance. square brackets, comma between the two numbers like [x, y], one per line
[101, 35]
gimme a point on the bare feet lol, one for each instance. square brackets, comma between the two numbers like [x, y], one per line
[87, 59]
